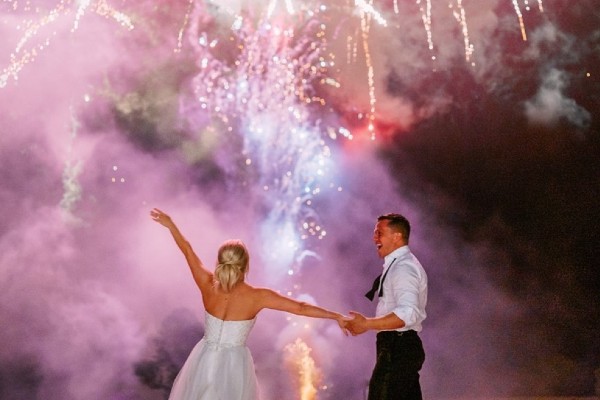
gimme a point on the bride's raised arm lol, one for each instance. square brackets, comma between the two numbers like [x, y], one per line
[202, 276]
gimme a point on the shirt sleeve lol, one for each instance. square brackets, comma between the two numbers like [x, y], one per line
[406, 282]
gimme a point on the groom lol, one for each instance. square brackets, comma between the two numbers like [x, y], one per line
[401, 290]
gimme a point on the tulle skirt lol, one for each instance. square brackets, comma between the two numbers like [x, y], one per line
[216, 373]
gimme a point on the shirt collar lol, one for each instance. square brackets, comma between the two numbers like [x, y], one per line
[387, 260]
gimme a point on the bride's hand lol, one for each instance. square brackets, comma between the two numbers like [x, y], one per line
[160, 217]
[342, 321]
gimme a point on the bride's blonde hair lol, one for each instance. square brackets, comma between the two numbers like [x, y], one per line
[232, 264]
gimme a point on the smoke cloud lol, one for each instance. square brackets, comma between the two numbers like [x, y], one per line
[486, 142]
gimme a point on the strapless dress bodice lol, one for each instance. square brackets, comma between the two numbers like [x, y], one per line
[220, 333]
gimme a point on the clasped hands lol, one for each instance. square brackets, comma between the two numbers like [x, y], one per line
[355, 323]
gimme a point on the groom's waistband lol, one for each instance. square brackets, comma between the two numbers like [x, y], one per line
[390, 335]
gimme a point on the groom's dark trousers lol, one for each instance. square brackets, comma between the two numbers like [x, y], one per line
[400, 356]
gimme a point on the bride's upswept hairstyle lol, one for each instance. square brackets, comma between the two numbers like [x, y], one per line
[232, 263]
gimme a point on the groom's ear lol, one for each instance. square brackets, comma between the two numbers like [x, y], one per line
[399, 237]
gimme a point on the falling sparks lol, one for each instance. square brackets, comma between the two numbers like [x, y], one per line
[186, 20]
[365, 24]
[26, 53]
[303, 368]
[520, 17]
[426, 16]
[367, 8]
[368, 12]
[461, 17]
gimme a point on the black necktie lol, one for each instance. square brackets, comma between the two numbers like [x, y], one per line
[371, 293]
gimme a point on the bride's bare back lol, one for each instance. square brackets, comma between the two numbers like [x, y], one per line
[239, 304]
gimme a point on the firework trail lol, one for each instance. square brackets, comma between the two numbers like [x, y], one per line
[517, 8]
[35, 39]
[461, 18]
[426, 16]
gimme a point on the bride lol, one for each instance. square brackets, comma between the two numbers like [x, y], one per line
[220, 366]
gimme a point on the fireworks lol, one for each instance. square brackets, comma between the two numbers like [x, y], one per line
[426, 16]
[263, 91]
[27, 51]
[520, 14]
[461, 18]
[262, 85]
[303, 369]
[368, 9]
[365, 25]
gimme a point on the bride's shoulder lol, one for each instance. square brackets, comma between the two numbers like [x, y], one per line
[259, 291]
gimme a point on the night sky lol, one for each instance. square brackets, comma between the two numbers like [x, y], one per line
[219, 115]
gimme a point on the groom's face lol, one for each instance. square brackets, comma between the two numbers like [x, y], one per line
[385, 239]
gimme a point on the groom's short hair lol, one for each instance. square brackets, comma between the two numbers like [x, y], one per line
[398, 223]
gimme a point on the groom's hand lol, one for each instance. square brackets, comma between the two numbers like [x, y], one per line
[358, 324]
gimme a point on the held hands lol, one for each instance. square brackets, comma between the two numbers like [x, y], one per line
[343, 321]
[357, 325]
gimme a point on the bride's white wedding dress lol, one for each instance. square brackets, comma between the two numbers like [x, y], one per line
[220, 367]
